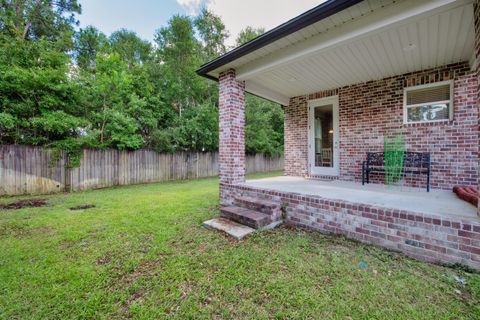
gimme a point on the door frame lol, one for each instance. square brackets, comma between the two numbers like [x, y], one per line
[312, 169]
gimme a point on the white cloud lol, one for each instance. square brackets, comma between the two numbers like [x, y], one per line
[191, 6]
[238, 14]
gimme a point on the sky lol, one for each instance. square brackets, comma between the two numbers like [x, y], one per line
[146, 16]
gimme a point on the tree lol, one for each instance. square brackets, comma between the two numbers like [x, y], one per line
[38, 102]
[178, 53]
[263, 126]
[89, 42]
[212, 33]
[34, 19]
[130, 47]
[196, 130]
[249, 33]
[110, 103]
[118, 91]
[199, 128]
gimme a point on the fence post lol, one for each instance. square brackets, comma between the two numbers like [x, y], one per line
[67, 172]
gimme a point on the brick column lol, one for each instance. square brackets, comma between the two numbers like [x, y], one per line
[231, 129]
[296, 137]
[476, 10]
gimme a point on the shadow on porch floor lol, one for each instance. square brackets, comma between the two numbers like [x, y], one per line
[437, 202]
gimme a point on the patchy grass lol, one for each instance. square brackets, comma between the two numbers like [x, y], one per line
[141, 253]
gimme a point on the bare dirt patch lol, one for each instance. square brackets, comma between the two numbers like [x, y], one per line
[22, 231]
[103, 260]
[83, 207]
[25, 203]
[144, 269]
[15, 230]
[136, 296]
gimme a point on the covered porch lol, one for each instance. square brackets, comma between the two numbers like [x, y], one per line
[348, 73]
[442, 203]
[434, 227]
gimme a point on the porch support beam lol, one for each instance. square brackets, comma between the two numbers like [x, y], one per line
[259, 90]
[377, 22]
[231, 129]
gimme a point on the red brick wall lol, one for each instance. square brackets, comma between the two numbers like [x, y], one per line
[370, 109]
[295, 139]
[476, 6]
[421, 236]
[231, 129]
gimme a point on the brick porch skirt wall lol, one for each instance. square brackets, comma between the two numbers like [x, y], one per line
[424, 237]
[368, 110]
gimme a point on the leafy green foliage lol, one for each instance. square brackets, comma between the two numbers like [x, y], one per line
[35, 92]
[130, 47]
[178, 51]
[70, 90]
[200, 128]
[110, 102]
[89, 42]
[248, 34]
[264, 126]
[212, 33]
[37, 19]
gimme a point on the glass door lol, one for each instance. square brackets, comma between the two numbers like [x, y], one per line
[323, 144]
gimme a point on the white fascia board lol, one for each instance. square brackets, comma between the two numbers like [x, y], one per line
[266, 93]
[377, 22]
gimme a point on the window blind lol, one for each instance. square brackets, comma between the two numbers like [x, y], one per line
[428, 95]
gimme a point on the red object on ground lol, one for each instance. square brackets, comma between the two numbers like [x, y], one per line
[468, 194]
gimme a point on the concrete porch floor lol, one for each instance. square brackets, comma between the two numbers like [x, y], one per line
[436, 202]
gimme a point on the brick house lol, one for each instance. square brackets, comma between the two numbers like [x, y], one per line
[349, 73]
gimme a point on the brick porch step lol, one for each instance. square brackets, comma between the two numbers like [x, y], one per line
[260, 205]
[253, 219]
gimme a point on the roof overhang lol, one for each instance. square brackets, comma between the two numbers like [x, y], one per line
[341, 43]
[307, 18]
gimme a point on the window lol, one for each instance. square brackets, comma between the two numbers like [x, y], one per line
[428, 103]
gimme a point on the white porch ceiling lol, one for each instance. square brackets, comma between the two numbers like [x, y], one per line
[372, 40]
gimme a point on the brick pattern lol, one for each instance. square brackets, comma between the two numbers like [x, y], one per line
[231, 128]
[267, 207]
[476, 10]
[424, 237]
[253, 219]
[296, 137]
[371, 109]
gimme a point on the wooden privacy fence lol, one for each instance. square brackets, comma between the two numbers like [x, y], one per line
[27, 169]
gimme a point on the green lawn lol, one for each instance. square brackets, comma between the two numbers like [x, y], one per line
[142, 253]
